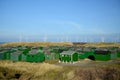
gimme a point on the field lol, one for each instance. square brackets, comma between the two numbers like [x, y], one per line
[100, 44]
[37, 44]
[49, 71]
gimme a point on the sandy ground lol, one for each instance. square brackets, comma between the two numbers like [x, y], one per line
[88, 63]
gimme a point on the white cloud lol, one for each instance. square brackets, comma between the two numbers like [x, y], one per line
[79, 28]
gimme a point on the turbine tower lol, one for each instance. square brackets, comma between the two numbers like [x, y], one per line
[20, 38]
[77, 39]
[45, 38]
[102, 39]
[26, 39]
[66, 38]
[61, 39]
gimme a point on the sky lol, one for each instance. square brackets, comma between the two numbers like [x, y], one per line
[60, 19]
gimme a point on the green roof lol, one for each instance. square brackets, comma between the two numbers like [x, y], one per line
[68, 52]
[17, 53]
[33, 51]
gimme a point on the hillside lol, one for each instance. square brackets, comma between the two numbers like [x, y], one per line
[61, 44]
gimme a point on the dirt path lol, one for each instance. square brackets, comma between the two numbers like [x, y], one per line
[84, 63]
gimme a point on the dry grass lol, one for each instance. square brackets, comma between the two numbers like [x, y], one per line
[52, 61]
[109, 72]
[29, 69]
[60, 44]
[102, 45]
[43, 71]
[37, 44]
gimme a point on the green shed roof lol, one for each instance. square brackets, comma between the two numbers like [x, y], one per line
[68, 52]
[33, 51]
[16, 53]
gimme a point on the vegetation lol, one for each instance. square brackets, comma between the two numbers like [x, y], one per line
[100, 44]
[25, 70]
[37, 44]
[98, 73]
[52, 61]
[44, 71]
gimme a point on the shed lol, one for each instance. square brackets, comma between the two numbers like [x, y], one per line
[48, 55]
[98, 54]
[1, 55]
[35, 55]
[7, 55]
[113, 54]
[69, 56]
[26, 51]
[118, 52]
[15, 56]
[51, 56]
[102, 55]
[81, 55]
[55, 50]
[87, 49]
[23, 57]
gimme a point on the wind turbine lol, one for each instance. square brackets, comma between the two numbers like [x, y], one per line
[69, 39]
[45, 38]
[102, 39]
[66, 38]
[26, 39]
[57, 39]
[20, 38]
[77, 40]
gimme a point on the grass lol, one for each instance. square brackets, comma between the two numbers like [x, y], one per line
[37, 44]
[44, 71]
[9, 69]
[100, 44]
[52, 61]
[98, 73]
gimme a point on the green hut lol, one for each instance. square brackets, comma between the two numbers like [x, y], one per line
[48, 55]
[25, 50]
[35, 55]
[7, 55]
[102, 55]
[1, 55]
[81, 55]
[118, 52]
[97, 54]
[113, 54]
[69, 56]
[23, 57]
[15, 56]
[51, 56]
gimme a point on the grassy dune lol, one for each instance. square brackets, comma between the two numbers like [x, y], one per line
[37, 44]
[60, 44]
[25, 70]
[102, 45]
[44, 71]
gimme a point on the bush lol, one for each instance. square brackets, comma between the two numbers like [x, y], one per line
[101, 73]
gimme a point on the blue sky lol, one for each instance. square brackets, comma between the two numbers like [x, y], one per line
[39, 18]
